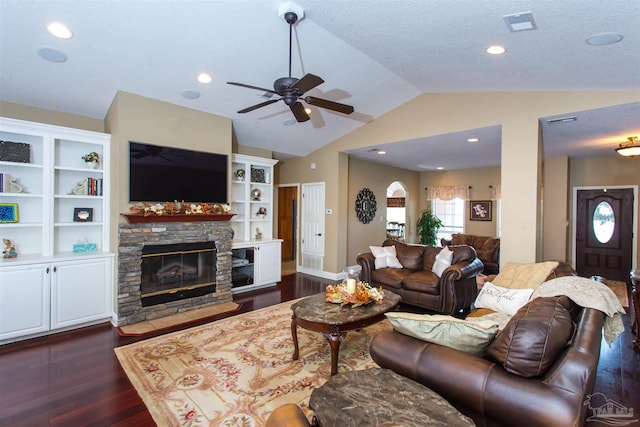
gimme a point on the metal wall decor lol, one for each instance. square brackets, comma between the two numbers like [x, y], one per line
[366, 206]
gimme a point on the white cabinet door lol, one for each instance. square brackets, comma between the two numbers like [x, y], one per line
[80, 292]
[267, 263]
[24, 300]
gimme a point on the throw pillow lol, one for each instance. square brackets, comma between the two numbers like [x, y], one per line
[443, 260]
[385, 257]
[524, 276]
[501, 299]
[463, 335]
[533, 339]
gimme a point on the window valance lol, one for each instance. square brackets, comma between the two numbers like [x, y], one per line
[448, 193]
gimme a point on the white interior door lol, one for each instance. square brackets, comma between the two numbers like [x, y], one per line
[312, 219]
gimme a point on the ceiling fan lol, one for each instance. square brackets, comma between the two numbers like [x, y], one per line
[291, 90]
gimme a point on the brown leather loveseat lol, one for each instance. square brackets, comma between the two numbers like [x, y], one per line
[487, 249]
[452, 293]
[517, 391]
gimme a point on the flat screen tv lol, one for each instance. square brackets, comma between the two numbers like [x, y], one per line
[165, 174]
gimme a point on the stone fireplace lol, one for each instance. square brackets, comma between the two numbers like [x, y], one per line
[189, 267]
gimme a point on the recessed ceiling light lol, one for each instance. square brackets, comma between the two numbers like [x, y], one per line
[604, 39]
[52, 55]
[59, 30]
[191, 94]
[382, 152]
[495, 50]
[473, 140]
[204, 78]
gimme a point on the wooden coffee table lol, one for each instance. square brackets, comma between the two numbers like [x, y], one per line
[333, 321]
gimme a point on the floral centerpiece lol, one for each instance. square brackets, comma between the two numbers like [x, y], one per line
[364, 294]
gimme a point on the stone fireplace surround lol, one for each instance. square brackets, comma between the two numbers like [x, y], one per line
[132, 238]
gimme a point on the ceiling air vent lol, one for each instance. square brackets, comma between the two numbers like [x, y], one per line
[520, 21]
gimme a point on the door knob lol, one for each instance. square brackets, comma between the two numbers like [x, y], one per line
[319, 234]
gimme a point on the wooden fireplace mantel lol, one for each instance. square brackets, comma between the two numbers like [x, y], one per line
[141, 219]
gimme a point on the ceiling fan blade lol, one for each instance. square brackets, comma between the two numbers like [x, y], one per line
[252, 87]
[330, 105]
[298, 111]
[307, 82]
[255, 107]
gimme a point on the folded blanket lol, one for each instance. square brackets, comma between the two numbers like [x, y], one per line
[591, 294]
[582, 291]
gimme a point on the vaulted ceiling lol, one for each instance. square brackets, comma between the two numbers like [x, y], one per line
[374, 55]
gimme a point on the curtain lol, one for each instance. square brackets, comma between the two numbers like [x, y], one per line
[448, 193]
[395, 202]
[496, 192]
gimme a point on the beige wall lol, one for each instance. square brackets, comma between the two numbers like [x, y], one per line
[555, 209]
[434, 114]
[136, 118]
[50, 117]
[377, 178]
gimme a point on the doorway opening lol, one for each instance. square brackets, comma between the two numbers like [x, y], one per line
[396, 211]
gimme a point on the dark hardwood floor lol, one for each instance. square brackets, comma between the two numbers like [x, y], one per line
[74, 379]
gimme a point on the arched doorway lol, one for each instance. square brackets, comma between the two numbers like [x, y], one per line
[396, 211]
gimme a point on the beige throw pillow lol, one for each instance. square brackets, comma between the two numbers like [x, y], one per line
[524, 276]
[385, 257]
[469, 336]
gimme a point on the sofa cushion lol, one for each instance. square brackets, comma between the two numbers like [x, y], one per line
[501, 299]
[470, 337]
[392, 277]
[429, 257]
[533, 339]
[523, 276]
[422, 281]
[410, 256]
[385, 257]
[442, 261]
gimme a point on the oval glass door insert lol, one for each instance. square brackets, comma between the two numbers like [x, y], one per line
[603, 222]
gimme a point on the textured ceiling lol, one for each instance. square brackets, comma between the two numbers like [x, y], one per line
[374, 55]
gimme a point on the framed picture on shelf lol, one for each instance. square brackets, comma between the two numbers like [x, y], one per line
[480, 210]
[8, 212]
[83, 214]
[19, 152]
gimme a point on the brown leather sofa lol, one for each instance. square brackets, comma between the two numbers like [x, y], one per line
[487, 249]
[452, 293]
[490, 392]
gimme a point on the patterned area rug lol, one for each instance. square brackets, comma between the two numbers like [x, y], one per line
[236, 371]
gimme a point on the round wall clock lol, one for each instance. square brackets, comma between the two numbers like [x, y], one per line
[366, 206]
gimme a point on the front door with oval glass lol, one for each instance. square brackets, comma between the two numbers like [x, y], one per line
[604, 233]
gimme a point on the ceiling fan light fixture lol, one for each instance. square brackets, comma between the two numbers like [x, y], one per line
[631, 148]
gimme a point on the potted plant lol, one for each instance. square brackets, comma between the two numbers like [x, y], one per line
[427, 227]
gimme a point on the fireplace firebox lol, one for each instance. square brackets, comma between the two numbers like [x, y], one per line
[177, 271]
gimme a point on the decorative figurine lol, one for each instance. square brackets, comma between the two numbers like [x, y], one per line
[258, 234]
[9, 250]
[239, 174]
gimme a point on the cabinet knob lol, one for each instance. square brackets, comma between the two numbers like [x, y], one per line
[55, 269]
[319, 234]
[47, 270]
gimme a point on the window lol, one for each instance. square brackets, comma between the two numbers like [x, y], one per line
[451, 213]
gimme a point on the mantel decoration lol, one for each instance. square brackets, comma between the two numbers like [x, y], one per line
[178, 212]
[92, 160]
[366, 206]
[362, 294]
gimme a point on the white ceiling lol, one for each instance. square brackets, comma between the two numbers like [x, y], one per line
[372, 54]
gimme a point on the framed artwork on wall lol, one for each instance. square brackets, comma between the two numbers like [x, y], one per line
[8, 212]
[83, 214]
[480, 210]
